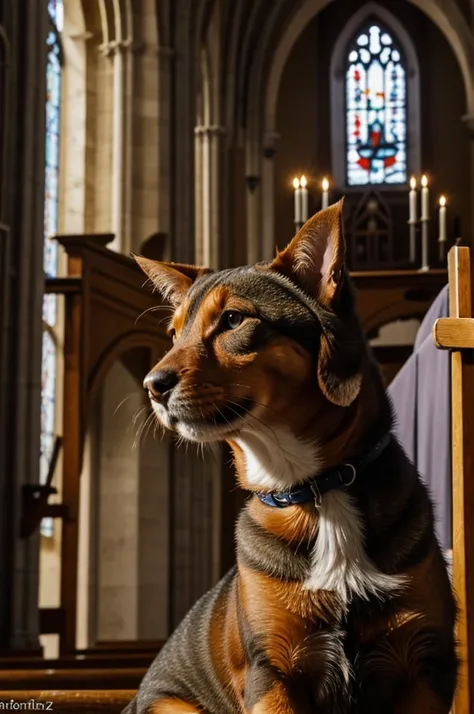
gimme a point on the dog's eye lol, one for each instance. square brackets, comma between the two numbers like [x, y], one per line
[232, 320]
[172, 333]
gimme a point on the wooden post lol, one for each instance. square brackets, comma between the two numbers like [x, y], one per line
[71, 469]
[457, 333]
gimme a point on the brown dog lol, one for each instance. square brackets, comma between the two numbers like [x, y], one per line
[340, 601]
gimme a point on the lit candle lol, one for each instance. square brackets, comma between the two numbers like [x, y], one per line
[412, 218]
[425, 199]
[296, 185]
[442, 219]
[325, 186]
[304, 199]
[412, 198]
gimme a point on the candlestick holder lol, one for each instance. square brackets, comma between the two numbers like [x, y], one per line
[419, 231]
[298, 226]
[424, 222]
[413, 225]
[442, 249]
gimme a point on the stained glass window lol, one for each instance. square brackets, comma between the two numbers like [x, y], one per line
[55, 10]
[53, 94]
[376, 135]
[48, 393]
[50, 255]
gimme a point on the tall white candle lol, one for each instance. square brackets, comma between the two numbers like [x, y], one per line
[296, 186]
[325, 198]
[412, 199]
[304, 199]
[425, 199]
[442, 219]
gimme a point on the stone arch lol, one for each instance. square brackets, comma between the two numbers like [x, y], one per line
[337, 73]
[446, 15]
[125, 476]
[124, 344]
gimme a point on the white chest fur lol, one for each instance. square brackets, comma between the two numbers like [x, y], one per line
[276, 459]
[339, 562]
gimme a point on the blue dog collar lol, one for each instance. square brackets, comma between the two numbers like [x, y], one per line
[341, 476]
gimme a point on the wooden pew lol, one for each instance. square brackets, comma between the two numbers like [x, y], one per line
[77, 679]
[70, 702]
[92, 661]
[457, 334]
[125, 646]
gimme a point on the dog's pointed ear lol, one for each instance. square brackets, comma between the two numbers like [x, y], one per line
[314, 259]
[172, 280]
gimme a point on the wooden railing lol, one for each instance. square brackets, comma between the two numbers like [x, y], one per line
[456, 333]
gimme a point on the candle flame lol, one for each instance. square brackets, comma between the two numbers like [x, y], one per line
[303, 182]
[296, 183]
[424, 181]
[325, 184]
[442, 200]
[413, 183]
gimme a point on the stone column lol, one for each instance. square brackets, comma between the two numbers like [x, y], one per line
[268, 197]
[148, 145]
[122, 60]
[252, 180]
[194, 517]
[200, 179]
[21, 331]
[182, 137]
[468, 120]
[211, 244]
[165, 117]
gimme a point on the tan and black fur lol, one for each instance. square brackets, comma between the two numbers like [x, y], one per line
[334, 608]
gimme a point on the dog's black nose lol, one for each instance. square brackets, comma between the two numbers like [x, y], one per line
[160, 383]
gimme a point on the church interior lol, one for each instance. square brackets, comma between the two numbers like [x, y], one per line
[205, 132]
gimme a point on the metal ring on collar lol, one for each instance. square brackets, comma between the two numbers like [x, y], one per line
[354, 474]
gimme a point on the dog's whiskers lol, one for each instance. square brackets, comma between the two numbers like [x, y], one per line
[141, 429]
[154, 308]
[126, 398]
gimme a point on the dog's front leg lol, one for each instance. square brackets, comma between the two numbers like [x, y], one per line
[265, 693]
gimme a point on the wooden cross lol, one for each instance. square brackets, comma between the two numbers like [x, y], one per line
[456, 333]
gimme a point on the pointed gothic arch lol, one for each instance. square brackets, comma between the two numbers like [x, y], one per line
[373, 12]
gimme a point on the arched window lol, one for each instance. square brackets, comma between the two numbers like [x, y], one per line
[50, 260]
[375, 102]
[376, 133]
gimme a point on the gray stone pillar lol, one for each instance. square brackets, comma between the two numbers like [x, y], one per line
[182, 136]
[253, 180]
[268, 196]
[211, 244]
[468, 120]
[26, 25]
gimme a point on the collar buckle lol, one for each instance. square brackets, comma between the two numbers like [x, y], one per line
[313, 489]
[281, 499]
